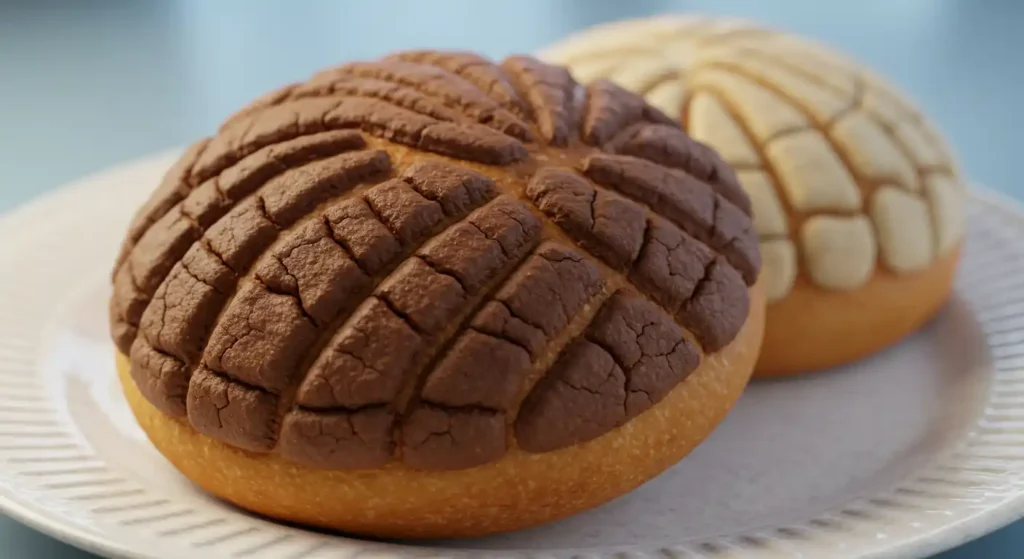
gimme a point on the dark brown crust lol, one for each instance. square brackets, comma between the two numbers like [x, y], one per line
[686, 201]
[540, 263]
[628, 360]
[550, 93]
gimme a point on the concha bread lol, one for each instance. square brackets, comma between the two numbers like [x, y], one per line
[439, 274]
[858, 203]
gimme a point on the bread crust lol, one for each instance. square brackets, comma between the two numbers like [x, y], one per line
[812, 329]
[518, 491]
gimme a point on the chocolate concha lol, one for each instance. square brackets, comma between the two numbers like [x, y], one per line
[433, 260]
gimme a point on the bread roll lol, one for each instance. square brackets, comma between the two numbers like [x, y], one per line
[857, 200]
[434, 296]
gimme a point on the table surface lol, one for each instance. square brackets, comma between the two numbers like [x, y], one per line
[87, 84]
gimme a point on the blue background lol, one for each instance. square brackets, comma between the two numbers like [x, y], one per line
[86, 84]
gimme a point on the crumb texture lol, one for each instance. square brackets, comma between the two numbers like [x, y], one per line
[428, 258]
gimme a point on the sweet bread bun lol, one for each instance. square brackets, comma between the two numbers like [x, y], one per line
[432, 296]
[858, 203]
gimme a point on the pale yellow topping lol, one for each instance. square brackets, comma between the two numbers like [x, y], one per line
[711, 122]
[904, 227]
[778, 258]
[823, 103]
[947, 204]
[820, 67]
[807, 128]
[770, 218]
[922, 149]
[811, 173]
[840, 252]
[873, 152]
[644, 73]
[882, 107]
[765, 113]
[668, 96]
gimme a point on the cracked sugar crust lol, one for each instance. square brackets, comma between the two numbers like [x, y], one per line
[832, 156]
[431, 258]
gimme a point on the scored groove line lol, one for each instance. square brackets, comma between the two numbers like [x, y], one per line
[327, 333]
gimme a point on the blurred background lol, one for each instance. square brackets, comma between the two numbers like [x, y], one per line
[85, 84]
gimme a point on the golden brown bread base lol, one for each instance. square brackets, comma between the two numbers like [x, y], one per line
[518, 491]
[813, 329]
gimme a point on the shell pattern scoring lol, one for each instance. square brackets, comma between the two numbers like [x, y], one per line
[846, 176]
[431, 259]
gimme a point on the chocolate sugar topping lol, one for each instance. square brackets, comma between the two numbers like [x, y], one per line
[430, 258]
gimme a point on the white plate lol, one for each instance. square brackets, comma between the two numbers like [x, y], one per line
[908, 453]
